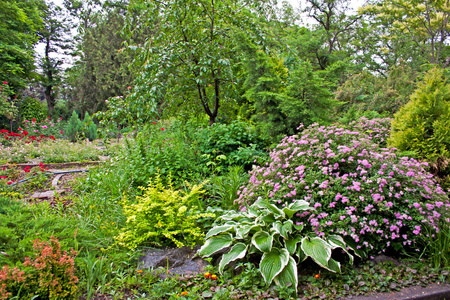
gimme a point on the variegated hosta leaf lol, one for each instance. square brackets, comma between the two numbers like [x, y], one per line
[264, 204]
[242, 231]
[215, 243]
[337, 241]
[301, 255]
[288, 275]
[318, 249]
[291, 243]
[295, 207]
[335, 266]
[263, 241]
[238, 251]
[218, 229]
[272, 263]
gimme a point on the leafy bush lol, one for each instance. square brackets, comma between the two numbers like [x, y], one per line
[360, 191]
[74, 128]
[268, 230]
[163, 216]
[238, 142]
[423, 124]
[31, 108]
[164, 147]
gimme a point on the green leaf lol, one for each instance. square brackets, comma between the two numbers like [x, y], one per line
[318, 249]
[291, 243]
[288, 275]
[264, 204]
[242, 231]
[238, 251]
[215, 243]
[337, 241]
[263, 241]
[268, 219]
[301, 255]
[286, 228]
[334, 266]
[295, 207]
[272, 263]
[218, 229]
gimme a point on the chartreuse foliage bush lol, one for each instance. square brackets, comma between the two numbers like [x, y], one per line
[163, 216]
[360, 191]
[270, 231]
[423, 124]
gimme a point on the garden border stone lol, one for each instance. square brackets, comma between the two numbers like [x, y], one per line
[435, 291]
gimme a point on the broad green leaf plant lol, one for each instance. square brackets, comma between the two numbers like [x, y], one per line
[268, 230]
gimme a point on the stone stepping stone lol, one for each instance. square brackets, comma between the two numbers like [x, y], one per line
[47, 194]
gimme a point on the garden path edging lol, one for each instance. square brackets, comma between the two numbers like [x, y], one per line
[435, 291]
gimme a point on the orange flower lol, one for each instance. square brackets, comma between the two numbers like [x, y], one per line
[317, 276]
[207, 275]
[139, 271]
[184, 293]
[214, 277]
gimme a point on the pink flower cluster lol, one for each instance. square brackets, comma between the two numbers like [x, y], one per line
[358, 190]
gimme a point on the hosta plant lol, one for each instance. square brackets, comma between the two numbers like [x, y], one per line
[267, 230]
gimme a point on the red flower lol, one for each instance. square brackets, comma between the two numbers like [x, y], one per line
[60, 118]
[61, 132]
[20, 128]
[42, 170]
[207, 275]
[214, 277]
[4, 131]
[317, 276]
[25, 132]
[3, 177]
[154, 123]
[4, 168]
[27, 170]
[9, 182]
[162, 128]
[5, 82]
[34, 120]
[129, 87]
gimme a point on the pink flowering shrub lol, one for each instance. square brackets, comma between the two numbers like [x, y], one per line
[360, 191]
[377, 130]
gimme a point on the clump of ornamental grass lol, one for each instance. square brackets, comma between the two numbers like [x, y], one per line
[360, 191]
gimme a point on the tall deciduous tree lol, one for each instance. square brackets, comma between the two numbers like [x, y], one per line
[20, 21]
[425, 22]
[188, 65]
[334, 28]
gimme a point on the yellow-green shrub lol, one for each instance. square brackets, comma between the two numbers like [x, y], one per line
[163, 216]
[423, 124]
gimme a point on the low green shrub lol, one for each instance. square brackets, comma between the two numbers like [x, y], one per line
[163, 216]
[31, 108]
[237, 143]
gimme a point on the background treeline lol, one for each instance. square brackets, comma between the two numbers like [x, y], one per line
[218, 61]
